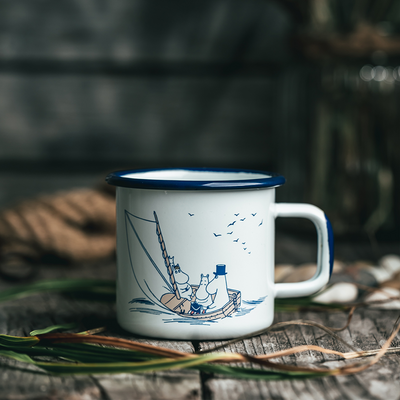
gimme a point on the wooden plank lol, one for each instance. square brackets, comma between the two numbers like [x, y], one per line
[20, 382]
[160, 120]
[174, 120]
[144, 29]
[19, 317]
[169, 386]
[368, 330]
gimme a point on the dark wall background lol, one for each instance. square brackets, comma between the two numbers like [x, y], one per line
[147, 82]
[89, 86]
[144, 81]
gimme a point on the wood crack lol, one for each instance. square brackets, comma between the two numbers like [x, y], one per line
[102, 390]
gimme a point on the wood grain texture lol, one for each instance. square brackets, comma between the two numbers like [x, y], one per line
[95, 118]
[19, 381]
[144, 29]
[239, 121]
[176, 385]
[368, 330]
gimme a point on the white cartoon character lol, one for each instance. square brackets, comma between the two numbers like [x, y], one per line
[203, 298]
[219, 288]
[182, 279]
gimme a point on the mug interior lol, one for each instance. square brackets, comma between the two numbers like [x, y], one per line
[193, 175]
[194, 179]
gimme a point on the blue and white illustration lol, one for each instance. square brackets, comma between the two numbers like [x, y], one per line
[203, 297]
[218, 288]
[193, 293]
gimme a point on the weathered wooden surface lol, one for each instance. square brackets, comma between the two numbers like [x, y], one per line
[19, 317]
[368, 330]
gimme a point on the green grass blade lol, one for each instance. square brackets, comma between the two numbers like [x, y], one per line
[53, 328]
[261, 374]
[82, 353]
[7, 341]
[199, 362]
[66, 285]
[113, 367]
[86, 352]
[17, 356]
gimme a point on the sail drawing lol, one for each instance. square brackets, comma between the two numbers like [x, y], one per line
[166, 285]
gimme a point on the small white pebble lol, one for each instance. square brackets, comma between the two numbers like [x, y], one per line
[384, 294]
[391, 263]
[379, 273]
[342, 292]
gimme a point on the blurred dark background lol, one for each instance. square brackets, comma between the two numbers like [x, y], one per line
[309, 89]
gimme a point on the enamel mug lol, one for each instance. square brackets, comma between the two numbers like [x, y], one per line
[195, 251]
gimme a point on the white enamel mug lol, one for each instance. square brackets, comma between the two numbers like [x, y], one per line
[195, 252]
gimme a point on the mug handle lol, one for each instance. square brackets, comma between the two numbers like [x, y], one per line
[325, 249]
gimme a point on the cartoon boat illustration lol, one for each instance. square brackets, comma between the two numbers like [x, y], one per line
[174, 292]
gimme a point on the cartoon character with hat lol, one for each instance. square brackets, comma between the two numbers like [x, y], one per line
[219, 288]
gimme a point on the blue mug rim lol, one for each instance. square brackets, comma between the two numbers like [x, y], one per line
[271, 180]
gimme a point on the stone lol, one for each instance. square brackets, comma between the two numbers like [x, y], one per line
[342, 292]
[382, 297]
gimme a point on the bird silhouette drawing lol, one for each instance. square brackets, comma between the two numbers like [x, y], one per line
[236, 240]
[254, 214]
[236, 214]
[217, 234]
[261, 222]
[231, 224]
[190, 214]
[229, 233]
[242, 219]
